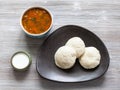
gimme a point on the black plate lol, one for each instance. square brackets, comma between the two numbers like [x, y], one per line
[45, 59]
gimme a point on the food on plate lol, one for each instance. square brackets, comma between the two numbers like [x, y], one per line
[65, 57]
[78, 44]
[36, 20]
[91, 58]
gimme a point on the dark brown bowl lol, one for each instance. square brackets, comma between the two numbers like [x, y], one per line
[45, 60]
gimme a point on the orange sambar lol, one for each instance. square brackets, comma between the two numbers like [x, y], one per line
[36, 20]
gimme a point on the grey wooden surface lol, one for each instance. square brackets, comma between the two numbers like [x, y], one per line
[99, 16]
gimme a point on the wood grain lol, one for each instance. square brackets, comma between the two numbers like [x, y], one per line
[99, 16]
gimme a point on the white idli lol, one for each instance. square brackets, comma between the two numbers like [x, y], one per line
[91, 58]
[78, 44]
[65, 57]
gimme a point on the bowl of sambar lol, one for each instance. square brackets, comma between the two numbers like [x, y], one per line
[36, 21]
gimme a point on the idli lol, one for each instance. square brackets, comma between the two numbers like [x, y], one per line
[65, 57]
[78, 44]
[91, 58]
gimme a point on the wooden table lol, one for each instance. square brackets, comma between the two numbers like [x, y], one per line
[99, 16]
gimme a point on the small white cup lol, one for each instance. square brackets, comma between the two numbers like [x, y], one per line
[15, 61]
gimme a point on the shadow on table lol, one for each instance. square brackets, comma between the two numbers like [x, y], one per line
[51, 85]
[33, 41]
[21, 75]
